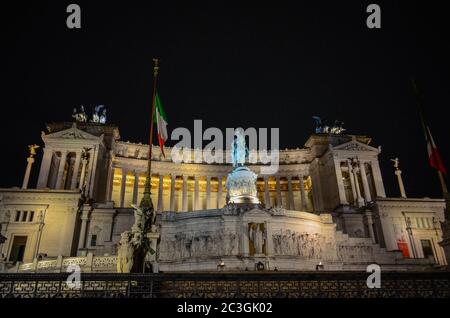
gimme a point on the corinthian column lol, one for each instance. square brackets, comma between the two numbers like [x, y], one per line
[302, 193]
[365, 183]
[26, 178]
[185, 198]
[76, 168]
[290, 194]
[83, 173]
[208, 192]
[173, 179]
[266, 191]
[340, 183]
[401, 186]
[360, 200]
[219, 192]
[196, 194]
[62, 165]
[123, 187]
[45, 168]
[352, 182]
[136, 187]
[160, 193]
[279, 203]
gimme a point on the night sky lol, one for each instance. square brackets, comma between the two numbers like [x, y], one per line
[259, 65]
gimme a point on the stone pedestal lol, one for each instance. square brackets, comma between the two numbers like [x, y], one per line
[151, 258]
[241, 186]
[353, 224]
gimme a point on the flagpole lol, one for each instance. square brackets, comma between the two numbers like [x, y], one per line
[146, 201]
[444, 188]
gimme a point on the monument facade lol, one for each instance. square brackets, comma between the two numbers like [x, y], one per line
[325, 205]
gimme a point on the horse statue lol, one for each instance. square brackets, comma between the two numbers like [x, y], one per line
[80, 116]
[323, 128]
[99, 114]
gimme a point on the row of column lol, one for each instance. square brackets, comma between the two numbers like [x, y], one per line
[290, 204]
[62, 173]
[220, 202]
[360, 197]
[173, 191]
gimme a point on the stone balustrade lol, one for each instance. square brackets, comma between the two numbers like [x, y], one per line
[140, 151]
[88, 263]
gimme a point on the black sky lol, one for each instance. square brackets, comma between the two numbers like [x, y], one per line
[271, 64]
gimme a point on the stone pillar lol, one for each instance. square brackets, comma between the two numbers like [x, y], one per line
[160, 193]
[266, 191]
[352, 182]
[45, 168]
[317, 194]
[136, 187]
[84, 220]
[340, 183]
[76, 168]
[279, 203]
[401, 186]
[62, 165]
[185, 197]
[219, 192]
[290, 205]
[302, 193]
[89, 173]
[208, 192]
[26, 178]
[173, 180]
[196, 194]
[378, 180]
[110, 180]
[365, 183]
[359, 200]
[94, 171]
[123, 187]
[83, 173]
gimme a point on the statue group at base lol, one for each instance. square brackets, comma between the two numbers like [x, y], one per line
[137, 250]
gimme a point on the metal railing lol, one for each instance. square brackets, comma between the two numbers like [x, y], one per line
[226, 285]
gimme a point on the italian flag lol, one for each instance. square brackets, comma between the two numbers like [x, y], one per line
[434, 156]
[161, 123]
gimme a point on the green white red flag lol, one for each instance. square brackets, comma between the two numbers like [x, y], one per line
[434, 156]
[161, 123]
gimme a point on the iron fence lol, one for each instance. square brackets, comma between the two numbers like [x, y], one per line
[226, 285]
